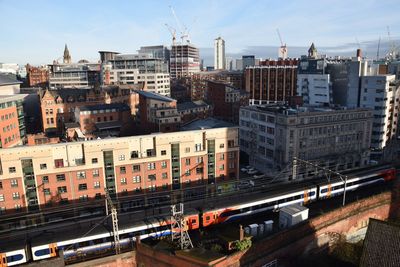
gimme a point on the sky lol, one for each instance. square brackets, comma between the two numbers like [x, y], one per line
[36, 31]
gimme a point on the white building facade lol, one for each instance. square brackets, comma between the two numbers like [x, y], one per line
[314, 88]
[219, 54]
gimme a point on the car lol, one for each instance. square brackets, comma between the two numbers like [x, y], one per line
[243, 169]
[258, 176]
[245, 184]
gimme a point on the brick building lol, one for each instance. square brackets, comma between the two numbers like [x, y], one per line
[193, 110]
[273, 80]
[12, 125]
[58, 106]
[226, 100]
[37, 76]
[50, 174]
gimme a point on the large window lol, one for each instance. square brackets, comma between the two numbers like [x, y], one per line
[62, 189]
[60, 177]
[151, 166]
[59, 163]
[82, 187]
[136, 179]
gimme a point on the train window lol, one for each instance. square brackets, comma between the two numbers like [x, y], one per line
[42, 252]
[229, 213]
[207, 218]
[13, 258]
[324, 190]
[311, 193]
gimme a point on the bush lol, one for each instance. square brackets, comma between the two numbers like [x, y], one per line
[242, 245]
[216, 247]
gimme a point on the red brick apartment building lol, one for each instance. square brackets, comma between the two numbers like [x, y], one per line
[273, 80]
[37, 176]
[12, 127]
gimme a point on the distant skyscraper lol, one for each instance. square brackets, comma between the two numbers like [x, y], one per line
[67, 56]
[219, 54]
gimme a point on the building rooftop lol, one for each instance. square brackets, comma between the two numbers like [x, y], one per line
[191, 104]
[118, 106]
[8, 79]
[154, 96]
[107, 125]
[381, 244]
[208, 123]
[285, 109]
[7, 98]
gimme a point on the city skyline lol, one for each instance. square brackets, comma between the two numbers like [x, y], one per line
[125, 26]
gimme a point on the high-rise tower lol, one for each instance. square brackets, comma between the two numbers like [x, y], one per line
[219, 54]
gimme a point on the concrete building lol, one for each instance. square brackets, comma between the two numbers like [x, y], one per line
[184, 60]
[271, 135]
[381, 94]
[226, 100]
[37, 76]
[219, 54]
[74, 75]
[138, 68]
[248, 61]
[314, 88]
[273, 80]
[157, 51]
[34, 176]
[12, 125]
[9, 85]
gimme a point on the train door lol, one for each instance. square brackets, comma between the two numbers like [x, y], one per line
[3, 260]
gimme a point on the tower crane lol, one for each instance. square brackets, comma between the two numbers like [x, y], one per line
[173, 33]
[392, 48]
[283, 48]
[182, 27]
[379, 46]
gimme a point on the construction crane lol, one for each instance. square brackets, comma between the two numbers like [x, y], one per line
[392, 48]
[182, 28]
[173, 33]
[283, 49]
[379, 46]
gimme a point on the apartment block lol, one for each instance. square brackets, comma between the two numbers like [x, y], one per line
[33, 177]
[132, 69]
[273, 80]
[37, 76]
[271, 135]
[381, 93]
[12, 125]
[74, 75]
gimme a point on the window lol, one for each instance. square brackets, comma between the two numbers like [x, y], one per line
[62, 189]
[199, 170]
[59, 163]
[121, 157]
[134, 154]
[221, 145]
[136, 168]
[1, 198]
[122, 169]
[1, 185]
[231, 155]
[187, 150]
[94, 160]
[151, 152]
[199, 160]
[2, 210]
[187, 172]
[164, 175]
[43, 166]
[187, 161]
[60, 177]
[96, 184]
[222, 156]
[151, 177]
[221, 167]
[163, 164]
[12, 170]
[231, 143]
[163, 152]
[197, 147]
[82, 187]
[95, 173]
[152, 188]
[46, 191]
[14, 183]
[136, 179]
[123, 180]
[45, 179]
[151, 166]
[231, 165]
[81, 175]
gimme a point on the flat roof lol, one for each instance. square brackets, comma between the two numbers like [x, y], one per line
[8, 79]
[294, 209]
[119, 106]
[7, 98]
[209, 123]
[154, 96]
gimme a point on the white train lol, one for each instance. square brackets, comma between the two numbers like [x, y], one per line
[103, 241]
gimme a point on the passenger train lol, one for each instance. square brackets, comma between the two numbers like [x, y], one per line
[102, 241]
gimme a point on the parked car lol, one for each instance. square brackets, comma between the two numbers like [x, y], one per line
[245, 184]
[252, 171]
[258, 176]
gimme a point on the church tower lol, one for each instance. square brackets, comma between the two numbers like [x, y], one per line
[67, 56]
[312, 52]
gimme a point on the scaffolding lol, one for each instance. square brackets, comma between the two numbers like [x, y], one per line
[179, 233]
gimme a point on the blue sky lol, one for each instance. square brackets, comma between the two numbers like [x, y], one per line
[36, 31]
